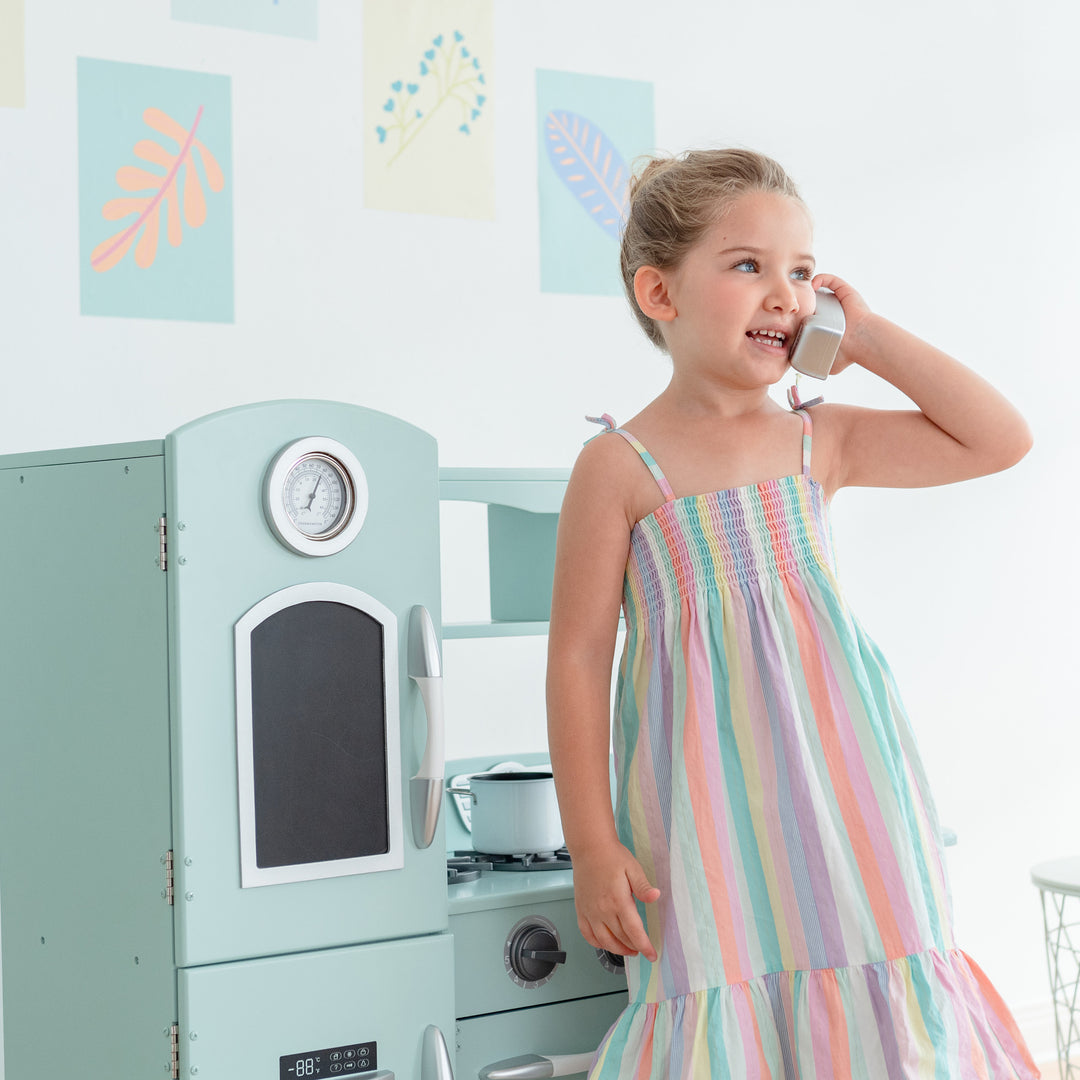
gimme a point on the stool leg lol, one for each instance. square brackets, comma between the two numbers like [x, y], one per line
[1063, 963]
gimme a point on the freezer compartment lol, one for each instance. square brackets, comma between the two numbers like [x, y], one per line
[336, 1013]
[570, 1027]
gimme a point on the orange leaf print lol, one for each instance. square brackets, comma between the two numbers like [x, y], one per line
[161, 190]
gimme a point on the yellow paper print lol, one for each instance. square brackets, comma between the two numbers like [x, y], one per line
[12, 54]
[449, 75]
[429, 143]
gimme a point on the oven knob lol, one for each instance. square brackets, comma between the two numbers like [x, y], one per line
[532, 952]
[612, 962]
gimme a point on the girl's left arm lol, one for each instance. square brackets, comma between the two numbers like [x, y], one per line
[962, 428]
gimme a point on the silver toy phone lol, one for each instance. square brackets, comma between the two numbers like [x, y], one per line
[818, 338]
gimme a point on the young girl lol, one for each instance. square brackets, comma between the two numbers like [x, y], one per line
[773, 869]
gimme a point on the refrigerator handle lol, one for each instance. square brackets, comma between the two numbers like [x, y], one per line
[425, 669]
[435, 1059]
[538, 1066]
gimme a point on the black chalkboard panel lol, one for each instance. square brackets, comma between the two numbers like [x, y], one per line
[318, 707]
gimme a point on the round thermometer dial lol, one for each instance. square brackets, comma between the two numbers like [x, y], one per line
[316, 496]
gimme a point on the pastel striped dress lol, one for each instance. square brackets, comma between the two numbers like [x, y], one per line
[769, 784]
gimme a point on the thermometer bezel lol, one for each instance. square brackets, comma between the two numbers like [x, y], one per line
[354, 490]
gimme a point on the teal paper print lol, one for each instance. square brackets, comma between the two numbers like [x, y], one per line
[589, 130]
[155, 192]
[446, 74]
[292, 18]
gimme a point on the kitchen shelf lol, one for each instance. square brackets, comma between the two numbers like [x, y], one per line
[539, 491]
[493, 628]
[523, 512]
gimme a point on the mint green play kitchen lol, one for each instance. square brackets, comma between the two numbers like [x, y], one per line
[223, 842]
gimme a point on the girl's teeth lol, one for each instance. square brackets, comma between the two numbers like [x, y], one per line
[775, 338]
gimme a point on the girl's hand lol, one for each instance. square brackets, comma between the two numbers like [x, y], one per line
[856, 315]
[961, 427]
[605, 885]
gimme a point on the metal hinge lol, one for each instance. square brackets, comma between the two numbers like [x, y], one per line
[167, 858]
[163, 561]
[174, 1050]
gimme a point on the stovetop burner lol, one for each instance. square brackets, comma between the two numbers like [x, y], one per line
[464, 866]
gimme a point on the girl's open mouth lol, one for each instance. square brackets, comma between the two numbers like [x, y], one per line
[775, 339]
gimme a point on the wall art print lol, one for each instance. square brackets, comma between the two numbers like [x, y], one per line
[155, 192]
[428, 124]
[12, 54]
[590, 128]
[293, 18]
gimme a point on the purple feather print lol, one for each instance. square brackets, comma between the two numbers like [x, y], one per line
[589, 164]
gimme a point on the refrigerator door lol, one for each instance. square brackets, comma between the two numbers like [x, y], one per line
[328, 857]
[342, 1012]
[86, 948]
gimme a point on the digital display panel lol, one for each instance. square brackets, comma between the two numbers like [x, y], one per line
[336, 1061]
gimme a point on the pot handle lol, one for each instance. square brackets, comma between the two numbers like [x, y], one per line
[425, 669]
[463, 791]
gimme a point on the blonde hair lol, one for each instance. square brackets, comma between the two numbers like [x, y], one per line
[673, 200]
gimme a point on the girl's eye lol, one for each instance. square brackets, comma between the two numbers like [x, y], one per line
[803, 273]
[747, 266]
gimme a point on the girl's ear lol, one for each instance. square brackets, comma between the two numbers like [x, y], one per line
[651, 293]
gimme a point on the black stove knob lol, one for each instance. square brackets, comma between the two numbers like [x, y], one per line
[612, 962]
[532, 952]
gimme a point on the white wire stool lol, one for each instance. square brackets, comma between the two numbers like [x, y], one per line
[1059, 889]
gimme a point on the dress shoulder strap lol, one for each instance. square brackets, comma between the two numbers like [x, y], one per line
[802, 407]
[658, 475]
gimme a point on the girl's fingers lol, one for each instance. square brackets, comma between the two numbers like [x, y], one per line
[830, 281]
[645, 891]
[856, 312]
[637, 939]
[625, 937]
[845, 293]
[602, 937]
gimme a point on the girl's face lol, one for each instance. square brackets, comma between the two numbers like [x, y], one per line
[741, 291]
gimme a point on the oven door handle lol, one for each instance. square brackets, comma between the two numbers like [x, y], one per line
[538, 1066]
[435, 1056]
[425, 669]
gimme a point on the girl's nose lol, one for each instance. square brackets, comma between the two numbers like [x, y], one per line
[782, 296]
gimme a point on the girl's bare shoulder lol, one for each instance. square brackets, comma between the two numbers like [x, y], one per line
[609, 476]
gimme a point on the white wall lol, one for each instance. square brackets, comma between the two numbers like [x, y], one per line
[936, 142]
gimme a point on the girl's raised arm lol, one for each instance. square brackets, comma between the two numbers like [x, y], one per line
[963, 427]
[593, 544]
